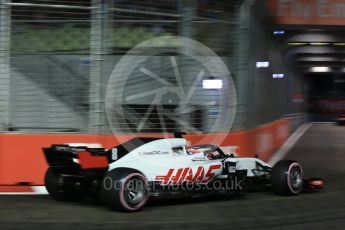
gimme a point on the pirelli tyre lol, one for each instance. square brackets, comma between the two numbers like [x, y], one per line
[125, 190]
[287, 178]
[58, 190]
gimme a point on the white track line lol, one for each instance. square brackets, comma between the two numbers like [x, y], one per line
[40, 190]
[287, 146]
[324, 122]
[37, 190]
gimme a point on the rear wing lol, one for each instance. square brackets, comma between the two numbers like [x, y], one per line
[64, 158]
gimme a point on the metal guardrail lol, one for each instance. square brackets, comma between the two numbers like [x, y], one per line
[114, 9]
[49, 6]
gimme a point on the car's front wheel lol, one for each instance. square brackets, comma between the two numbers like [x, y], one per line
[124, 189]
[287, 178]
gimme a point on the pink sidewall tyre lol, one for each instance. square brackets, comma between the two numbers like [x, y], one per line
[125, 190]
[287, 178]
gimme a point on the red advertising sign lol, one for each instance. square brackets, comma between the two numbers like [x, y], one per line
[330, 106]
[308, 12]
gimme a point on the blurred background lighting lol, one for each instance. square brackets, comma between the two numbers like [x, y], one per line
[319, 43]
[262, 64]
[338, 43]
[320, 69]
[278, 75]
[278, 32]
[297, 43]
[212, 84]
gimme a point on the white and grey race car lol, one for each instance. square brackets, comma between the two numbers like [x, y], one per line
[130, 174]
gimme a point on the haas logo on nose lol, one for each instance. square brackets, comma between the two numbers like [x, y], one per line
[178, 176]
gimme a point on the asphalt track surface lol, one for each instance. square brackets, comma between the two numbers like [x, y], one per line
[321, 151]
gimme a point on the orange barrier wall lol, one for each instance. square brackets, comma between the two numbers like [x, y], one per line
[22, 159]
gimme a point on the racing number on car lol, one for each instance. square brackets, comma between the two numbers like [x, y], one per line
[178, 176]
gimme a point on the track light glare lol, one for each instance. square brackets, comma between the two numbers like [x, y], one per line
[320, 69]
[262, 64]
[297, 43]
[278, 75]
[319, 43]
[278, 32]
[212, 84]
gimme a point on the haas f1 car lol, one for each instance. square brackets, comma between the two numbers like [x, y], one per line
[128, 175]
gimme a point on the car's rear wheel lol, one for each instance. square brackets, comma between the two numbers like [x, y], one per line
[124, 189]
[287, 178]
[58, 190]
